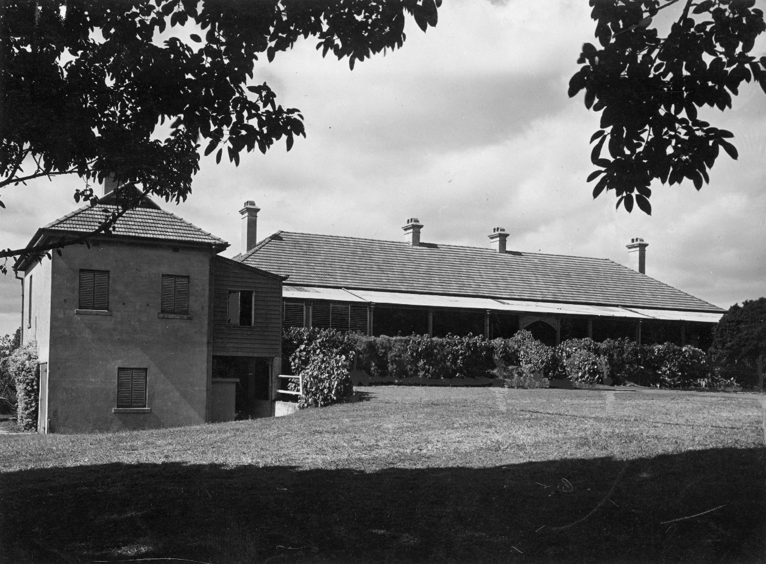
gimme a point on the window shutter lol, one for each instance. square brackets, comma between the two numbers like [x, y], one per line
[339, 318]
[124, 377]
[293, 316]
[86, 289]
[320, 315]
[101, 290]
[358, 318]
[167, 293]
[138, 394]
[182, 294]
[131, 387]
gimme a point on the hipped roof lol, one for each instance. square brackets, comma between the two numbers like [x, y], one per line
[367, 264]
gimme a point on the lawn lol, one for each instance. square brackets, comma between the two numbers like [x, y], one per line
[405, 475]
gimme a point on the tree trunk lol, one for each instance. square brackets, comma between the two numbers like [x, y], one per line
[760, 372]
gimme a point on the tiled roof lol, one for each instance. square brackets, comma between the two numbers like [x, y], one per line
[365, 264]
[142, 222]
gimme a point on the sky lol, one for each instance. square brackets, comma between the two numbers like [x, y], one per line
[467, 127]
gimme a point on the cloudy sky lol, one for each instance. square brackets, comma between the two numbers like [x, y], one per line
[468, 127]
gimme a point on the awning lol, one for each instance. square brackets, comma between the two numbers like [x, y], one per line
[425, 300]
[515, 306]
[569, 309]
[315, 293]
[674, 315]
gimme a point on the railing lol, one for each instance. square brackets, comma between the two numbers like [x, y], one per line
[291, 392]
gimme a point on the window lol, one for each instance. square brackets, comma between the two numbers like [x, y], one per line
[94, 289]
[339, 316]
[241, 308]
[29, 313]
[175, 294]
[293, 315]
[131, 387]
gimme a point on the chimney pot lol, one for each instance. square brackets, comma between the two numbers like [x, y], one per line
[498, 239]
[637, 253]
[249, 215]
[412, 231]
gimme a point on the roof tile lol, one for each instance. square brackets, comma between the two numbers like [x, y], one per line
[353, 263]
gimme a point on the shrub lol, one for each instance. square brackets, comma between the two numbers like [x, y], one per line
[514, 377]
[678, 367]
[624, 359]
[533, 357]
[326, 380]
[23, 366]
[586, 367]
[322, 357]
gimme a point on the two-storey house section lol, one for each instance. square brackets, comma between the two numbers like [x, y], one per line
[124, 324]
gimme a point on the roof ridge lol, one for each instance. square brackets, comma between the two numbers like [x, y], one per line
[440, 245]
[242, 257]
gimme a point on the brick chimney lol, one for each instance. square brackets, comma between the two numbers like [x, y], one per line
[637, 253]
[412, 231]
[497, 239]
[249, 225]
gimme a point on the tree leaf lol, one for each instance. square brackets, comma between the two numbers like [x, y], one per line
[595, 174]
[600, 133]
[196, 38]
[628, 203]
[596, 152]
[643, 204]
[729, 148]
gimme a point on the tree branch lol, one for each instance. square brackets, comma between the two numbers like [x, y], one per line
[38, 174]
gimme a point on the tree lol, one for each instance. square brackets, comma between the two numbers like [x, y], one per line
[649, 88]
[87, 86]
[740, 336]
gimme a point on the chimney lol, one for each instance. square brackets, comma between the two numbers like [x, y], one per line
[497, 239]
[637, 252]
[110, 183]
[412, 231]
[249, 225]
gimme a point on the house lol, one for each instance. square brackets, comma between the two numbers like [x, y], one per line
[411, 286]
[147, 326]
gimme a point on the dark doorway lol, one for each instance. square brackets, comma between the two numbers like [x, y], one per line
[543, 332]
[252, 397]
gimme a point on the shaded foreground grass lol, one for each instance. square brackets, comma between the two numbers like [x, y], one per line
[410, 475]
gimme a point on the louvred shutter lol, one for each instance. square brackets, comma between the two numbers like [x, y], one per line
[182, 295]
[124, 379]
[101, 290]
[167, 292]
[86, 289]
[138, 394]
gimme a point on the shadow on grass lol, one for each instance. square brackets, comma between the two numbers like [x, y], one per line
[596, 510]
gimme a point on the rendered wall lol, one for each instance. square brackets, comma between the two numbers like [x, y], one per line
[87, 349]
[36, 328]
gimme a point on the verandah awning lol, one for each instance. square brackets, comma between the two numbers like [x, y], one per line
[506, 305]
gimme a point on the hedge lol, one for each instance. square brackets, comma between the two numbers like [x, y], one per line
[24, 368]
[520, 361]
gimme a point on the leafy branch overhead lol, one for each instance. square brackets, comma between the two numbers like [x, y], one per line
[137, 88]
[649, 89]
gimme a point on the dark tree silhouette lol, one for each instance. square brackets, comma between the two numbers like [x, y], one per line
[649, 88]
[137, 88]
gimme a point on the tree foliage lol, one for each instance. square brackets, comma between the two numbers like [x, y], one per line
[649, 90]
[741, 333]
[138, 88]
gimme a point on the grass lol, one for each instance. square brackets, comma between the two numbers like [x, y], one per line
[407, 475]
